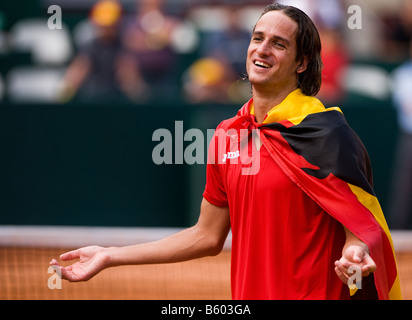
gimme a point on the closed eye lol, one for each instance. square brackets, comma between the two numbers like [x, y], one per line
[257, 39]
[279, 45]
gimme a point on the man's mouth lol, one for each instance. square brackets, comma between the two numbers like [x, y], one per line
[262, 64]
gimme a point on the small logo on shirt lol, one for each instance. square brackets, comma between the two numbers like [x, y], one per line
[173, 148]
[231, 155]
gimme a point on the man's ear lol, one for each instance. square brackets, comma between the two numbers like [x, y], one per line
[303, 65]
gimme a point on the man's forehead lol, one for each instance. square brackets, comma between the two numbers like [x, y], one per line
[276, 23]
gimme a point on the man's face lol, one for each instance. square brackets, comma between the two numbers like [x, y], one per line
[271, 60]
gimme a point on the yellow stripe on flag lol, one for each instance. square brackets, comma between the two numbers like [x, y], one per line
[372, 204]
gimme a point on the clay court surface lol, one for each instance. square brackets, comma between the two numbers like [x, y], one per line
[203, 279]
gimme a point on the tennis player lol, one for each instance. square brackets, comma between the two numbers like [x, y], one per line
[307, 223]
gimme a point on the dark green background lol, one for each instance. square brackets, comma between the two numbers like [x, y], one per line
[92, 164]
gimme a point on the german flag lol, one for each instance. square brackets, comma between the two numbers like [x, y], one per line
[320, 153]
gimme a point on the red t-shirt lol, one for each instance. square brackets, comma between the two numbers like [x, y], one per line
[283, 244]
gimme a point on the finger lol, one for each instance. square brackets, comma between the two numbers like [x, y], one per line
[358, 254]
[58, 269]
[63, 272]
[54, 262]
[366, 270]
[75, 254]
[342, 269]
[369, 267]
[66, 274]
[342, 276]
[346, 265]
[343, 265]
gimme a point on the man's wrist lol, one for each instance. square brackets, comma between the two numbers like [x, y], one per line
[353, 240]
[108, 257]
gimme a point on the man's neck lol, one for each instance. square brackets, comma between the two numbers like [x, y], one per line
[263, 102]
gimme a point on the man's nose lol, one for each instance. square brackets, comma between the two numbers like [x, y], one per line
[263, 49]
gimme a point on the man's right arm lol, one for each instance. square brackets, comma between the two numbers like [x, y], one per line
[206, 238]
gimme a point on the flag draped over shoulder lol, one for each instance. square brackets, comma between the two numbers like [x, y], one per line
[321, 154]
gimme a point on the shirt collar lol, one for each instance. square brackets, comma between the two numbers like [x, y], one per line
[294, 108]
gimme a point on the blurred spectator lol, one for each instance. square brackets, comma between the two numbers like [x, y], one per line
[230, 44]
[398, 32]
[401, 200]
[217, 75]
[406, 18]
[148, 36]
[100, 72]
[335, 58]
[207, 80]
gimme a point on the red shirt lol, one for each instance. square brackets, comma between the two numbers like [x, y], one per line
[283, 244]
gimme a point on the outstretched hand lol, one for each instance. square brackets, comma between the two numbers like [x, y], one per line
[91, 261]
[354, 255]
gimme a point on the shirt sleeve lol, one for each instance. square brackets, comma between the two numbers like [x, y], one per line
[215, 191]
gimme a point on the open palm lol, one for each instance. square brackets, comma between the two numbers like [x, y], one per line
[90, 262]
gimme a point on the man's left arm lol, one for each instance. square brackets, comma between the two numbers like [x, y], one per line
[354, 253]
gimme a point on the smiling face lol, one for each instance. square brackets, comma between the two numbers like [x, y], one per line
[271, 60]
